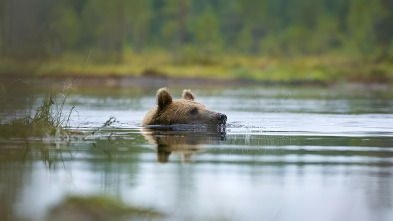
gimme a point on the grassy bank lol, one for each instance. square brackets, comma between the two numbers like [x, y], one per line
[321, 69]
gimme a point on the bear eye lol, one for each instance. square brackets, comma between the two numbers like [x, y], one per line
[194, 111]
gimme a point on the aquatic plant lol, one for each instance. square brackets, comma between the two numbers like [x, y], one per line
[48, 120]
[100, 208]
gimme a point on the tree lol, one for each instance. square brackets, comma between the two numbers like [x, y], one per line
[244, 40]
[363, 14]
[207, 33]
[64, 27]
[174, 29]
[254, 14]
[104, 24]
[139, 14]
[25, 27]
[383, 30]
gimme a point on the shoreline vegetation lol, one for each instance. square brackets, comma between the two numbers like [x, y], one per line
[267, 41]
[49, 120]
[271, 41]
[230, 69]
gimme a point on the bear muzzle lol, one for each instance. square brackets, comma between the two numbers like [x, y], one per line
[222, 118]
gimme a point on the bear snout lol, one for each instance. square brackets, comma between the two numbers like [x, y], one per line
[222, 118]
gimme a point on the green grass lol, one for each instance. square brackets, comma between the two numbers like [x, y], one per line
[100, 208]
[326, 69]
[49, 120]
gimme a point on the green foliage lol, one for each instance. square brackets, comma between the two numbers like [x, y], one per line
[100, 208]
[123, 36]
[357, 28]
[65, 27]
[207, 33]
[362, 17]
[175, 28]
[47, 121]
[244, 40]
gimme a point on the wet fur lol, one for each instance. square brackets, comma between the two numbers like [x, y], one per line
[183, 111]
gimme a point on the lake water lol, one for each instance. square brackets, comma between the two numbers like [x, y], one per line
[287, 153]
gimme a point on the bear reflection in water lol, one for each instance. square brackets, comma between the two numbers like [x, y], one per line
[182, 126]
[183, 139]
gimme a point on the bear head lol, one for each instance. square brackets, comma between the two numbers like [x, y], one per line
[183, 111]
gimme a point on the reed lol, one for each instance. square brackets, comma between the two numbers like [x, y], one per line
[48, 120]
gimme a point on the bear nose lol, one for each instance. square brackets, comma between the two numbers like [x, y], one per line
[222, 117]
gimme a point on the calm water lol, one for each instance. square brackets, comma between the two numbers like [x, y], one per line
[288, 153]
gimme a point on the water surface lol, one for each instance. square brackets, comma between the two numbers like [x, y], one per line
[287, 153]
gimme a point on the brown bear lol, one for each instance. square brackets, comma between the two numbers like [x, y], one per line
[184, 111]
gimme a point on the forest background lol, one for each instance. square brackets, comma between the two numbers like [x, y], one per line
[267, 40]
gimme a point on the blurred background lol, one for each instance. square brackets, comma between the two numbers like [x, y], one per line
[275, 40]
[78, 76]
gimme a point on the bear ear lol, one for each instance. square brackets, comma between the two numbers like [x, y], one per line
[188, 95]
[164, 98]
